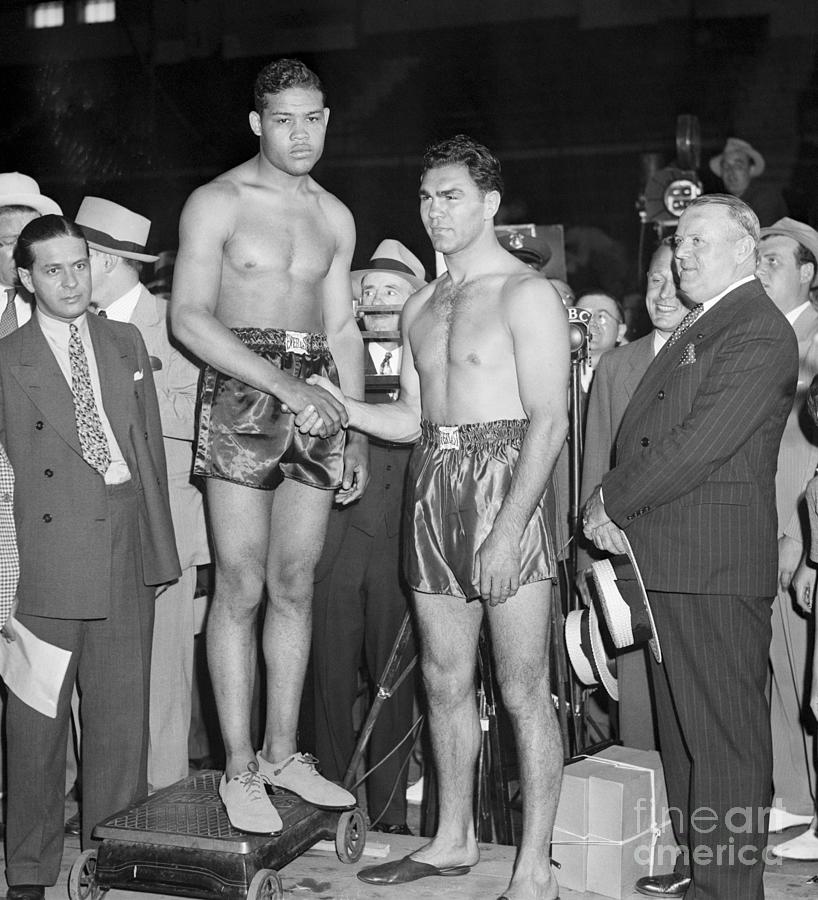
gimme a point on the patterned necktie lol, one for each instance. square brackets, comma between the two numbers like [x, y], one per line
[8, 320]
[686, 322]
[94, 444]
[386, 369]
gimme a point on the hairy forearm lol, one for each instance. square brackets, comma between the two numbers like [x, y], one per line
[398, 422]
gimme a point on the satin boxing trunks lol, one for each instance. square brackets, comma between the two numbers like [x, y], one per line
[458, 478]
[244, 436]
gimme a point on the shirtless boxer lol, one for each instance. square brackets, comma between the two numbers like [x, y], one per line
[261, 294]
[484, 382]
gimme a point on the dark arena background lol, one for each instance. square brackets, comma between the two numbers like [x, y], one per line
[568, 93]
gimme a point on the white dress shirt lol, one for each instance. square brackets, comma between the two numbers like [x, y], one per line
[58, 333]
[377, 353]
[122, 309]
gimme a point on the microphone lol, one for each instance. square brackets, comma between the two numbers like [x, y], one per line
[578, 320]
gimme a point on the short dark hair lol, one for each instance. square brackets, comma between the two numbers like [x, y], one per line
[282, 74]
[483, 165]
[43, 228]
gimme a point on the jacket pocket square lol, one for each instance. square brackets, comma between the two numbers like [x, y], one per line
[138, 376]
[688, 356]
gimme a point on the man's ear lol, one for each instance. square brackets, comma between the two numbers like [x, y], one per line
[25, 279]
[491, 203]
[806, 273]
[326, 116]
[255, 123]
[620, 332]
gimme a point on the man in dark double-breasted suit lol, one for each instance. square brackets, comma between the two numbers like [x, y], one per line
[80, 422]
[693, 489]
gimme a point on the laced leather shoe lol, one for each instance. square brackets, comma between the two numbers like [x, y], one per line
[247, 804]
[299, 774]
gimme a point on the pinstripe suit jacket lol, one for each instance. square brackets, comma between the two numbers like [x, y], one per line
[694, 484]
[798, 455]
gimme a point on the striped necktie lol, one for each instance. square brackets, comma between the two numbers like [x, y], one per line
[8, 319]
[386, 368]
[94, 444]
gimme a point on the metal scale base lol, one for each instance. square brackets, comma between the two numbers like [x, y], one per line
[179, 841]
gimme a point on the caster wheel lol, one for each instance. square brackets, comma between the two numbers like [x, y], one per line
[82, 884]
[350, 836]
[266, 885]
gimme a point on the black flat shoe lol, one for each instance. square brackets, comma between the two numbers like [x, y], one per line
[407, 869]
[671, 885]
[383, 827]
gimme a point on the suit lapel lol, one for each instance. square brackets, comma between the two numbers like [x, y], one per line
[638, 362]
[112, 355]
[704, 328]
[145, 314]
[39, 375]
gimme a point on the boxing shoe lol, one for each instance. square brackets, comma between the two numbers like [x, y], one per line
[803, 847]
[247, 804]
[780, 819]
[299, 774]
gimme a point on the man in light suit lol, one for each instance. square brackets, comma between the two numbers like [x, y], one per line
[20, 202]
[617, 377]
[360, 598]
[693, 489]
[80, 422]
[116, 239]
[788, 269]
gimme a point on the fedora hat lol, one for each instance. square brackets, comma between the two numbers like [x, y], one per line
[392, 256]
[736, 144]
[17, 189]
[114, 229]
[800, 233]
[624, 602]
[586, 650]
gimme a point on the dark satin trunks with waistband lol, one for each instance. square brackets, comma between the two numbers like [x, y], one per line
[458, 477]
[245, 437]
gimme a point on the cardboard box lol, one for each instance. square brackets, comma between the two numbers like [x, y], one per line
[612, 823]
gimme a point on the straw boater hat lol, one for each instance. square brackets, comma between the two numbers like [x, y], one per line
[392, 256]
[114, 229]
[733, 144]
[586, 651]
[624, 602]
[800, 233]
[17, 189]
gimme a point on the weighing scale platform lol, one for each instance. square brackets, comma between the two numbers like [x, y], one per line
[179, 841]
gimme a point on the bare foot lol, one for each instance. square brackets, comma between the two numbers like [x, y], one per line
[532, 886]
[444, 856]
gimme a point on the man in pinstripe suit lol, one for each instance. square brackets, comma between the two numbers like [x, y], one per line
[694, 491]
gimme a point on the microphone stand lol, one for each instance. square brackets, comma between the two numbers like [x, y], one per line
[578, 321]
